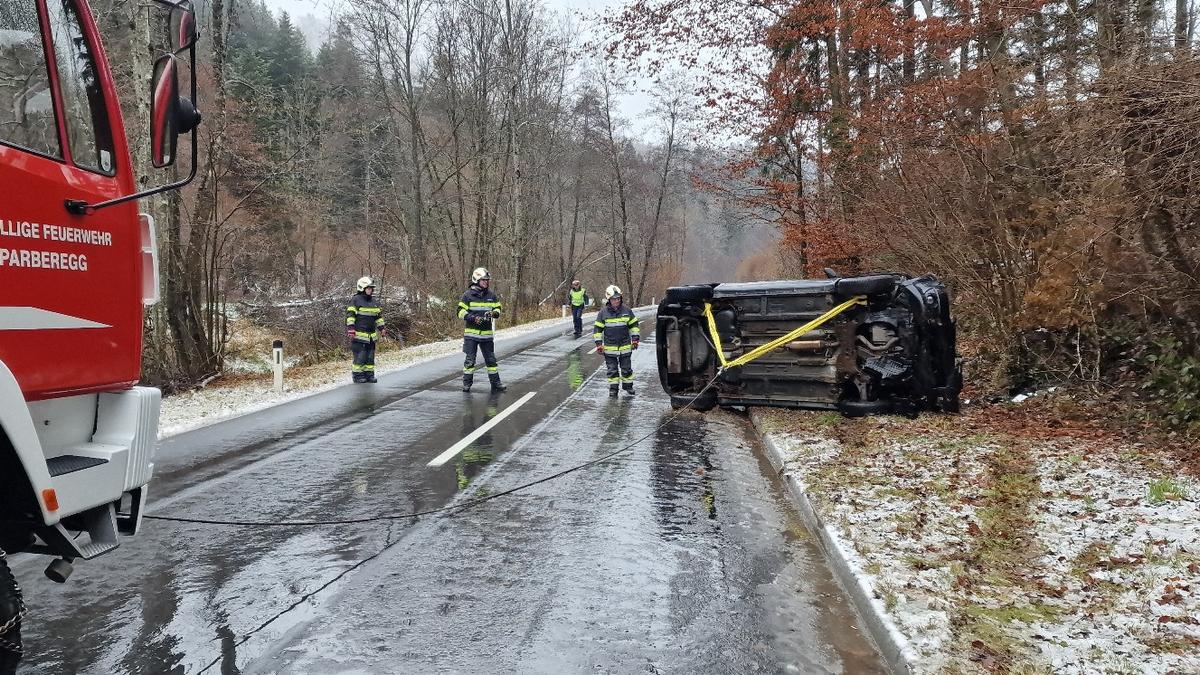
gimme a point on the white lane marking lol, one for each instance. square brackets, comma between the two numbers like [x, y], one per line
[35, 318]
[487, 426]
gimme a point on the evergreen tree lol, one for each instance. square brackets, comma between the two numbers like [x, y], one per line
[288, 54]
[253, 28]
[338, 65]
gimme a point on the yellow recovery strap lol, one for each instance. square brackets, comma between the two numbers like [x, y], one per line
[777, 342]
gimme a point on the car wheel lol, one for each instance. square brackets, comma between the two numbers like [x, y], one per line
[864, 408]
[950, 402]
[703, 403]
[872, 285]
[688, 293]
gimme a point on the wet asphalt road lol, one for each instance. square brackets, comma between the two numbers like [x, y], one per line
[680, 555]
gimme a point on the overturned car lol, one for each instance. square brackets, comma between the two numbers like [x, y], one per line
[859, 345]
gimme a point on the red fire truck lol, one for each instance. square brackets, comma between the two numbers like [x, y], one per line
[78, 264]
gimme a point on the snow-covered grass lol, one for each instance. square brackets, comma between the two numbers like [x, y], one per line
[244, 393]
[1010, 550]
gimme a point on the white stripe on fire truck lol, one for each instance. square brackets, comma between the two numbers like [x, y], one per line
[34, 318]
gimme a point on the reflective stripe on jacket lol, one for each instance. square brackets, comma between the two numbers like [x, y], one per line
[365, 316]
[478, 302]
[617, 329]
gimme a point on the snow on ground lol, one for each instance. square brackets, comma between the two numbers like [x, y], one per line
[236, 396]
[996, 551]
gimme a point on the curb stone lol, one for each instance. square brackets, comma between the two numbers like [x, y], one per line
[898, 654]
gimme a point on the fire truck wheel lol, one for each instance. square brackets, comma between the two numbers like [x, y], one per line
[10, 619]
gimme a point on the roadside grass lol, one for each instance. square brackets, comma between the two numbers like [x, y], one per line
[1008, 533]
[990, 561]
[1165, 489]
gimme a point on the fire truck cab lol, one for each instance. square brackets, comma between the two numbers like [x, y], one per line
[77, 265]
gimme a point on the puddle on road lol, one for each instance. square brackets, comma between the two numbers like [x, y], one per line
[552, 389]
[718, 500]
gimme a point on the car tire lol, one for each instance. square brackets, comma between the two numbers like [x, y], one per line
[703, 403]
[864, 408]
[688, 293]
[950, 402]
[872, 285]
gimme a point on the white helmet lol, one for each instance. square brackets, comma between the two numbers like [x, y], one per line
[479, 274]
[363, 283]
[612, 291]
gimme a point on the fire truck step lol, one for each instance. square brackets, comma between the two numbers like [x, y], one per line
[64, 464]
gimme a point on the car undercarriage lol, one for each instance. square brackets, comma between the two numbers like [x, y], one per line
[878, 344]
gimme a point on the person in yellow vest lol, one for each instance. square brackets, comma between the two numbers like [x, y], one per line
[577, 298]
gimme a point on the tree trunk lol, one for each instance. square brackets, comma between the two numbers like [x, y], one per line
[664, 177]
[1182, 21]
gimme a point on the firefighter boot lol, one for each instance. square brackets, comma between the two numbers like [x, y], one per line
[612, 391]
[628, 389]
[467, 383]
[496, 386]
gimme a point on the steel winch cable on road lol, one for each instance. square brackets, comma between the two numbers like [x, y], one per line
[406, 516]
[443, 509]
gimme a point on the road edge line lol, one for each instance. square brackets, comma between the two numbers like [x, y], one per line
[897, 652]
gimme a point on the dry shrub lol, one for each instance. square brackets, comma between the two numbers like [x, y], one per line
[760, 266]
[1052, 231]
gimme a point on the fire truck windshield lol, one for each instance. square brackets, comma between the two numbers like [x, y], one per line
[88, 129]
[26, 105]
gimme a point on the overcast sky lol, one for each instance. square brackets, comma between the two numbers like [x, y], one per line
[312, 16]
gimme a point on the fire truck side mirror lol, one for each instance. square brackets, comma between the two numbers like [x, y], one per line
[183, 26]
[164, 99]
[170, 114]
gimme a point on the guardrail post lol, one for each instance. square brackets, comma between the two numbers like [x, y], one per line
[277, 348]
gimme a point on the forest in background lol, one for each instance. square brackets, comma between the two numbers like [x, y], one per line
[420, 140]
[1041, 156]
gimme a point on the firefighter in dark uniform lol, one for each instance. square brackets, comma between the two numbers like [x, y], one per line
[479, 308]
[364, 319]
[617, 334]
[577, 298]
